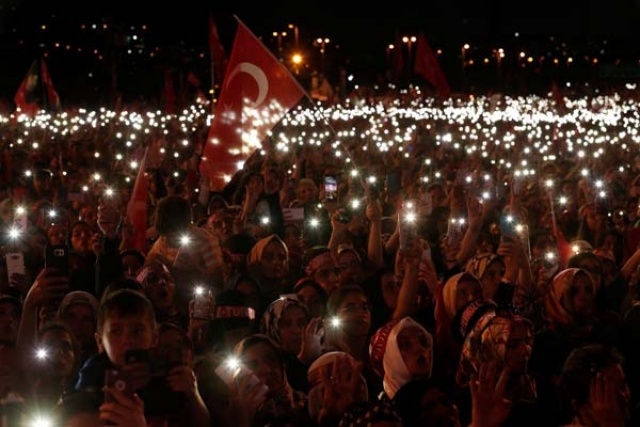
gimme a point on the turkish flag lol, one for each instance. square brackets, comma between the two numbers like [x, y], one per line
[137, 207]
[427, 67]
[257, 92]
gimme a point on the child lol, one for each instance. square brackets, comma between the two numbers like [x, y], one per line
[126, 321]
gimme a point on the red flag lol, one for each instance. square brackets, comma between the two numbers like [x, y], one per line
[169, 93]
[27, 96]
[426, 66]
[53, 100]
[257, 92]
[137, 207]
[36, 90]
[218, 54]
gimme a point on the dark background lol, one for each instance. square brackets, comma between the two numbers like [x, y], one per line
[359, 33]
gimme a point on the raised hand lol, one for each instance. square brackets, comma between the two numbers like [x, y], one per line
[489, 407]
[124, 411]
[312, 341]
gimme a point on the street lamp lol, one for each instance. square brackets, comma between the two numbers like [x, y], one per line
[279, 35]
[409, 41]
[295, 34]
[322, 43]
[296, 60]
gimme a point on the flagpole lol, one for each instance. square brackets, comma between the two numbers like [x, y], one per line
[304, 91]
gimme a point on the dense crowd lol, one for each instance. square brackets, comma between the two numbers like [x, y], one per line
[393, 260]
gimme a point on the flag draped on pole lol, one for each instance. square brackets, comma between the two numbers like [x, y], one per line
[137, 207]
[36, 92]
[426, 66]
[218, 54]
[257, 92]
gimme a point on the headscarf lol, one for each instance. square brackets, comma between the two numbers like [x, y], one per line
[255, 254]
[153, 266]
[488, 342]
[386, 358]
[316, 386]
[478, 264]
[556, 312]
[450, 290]
[78, 297]
[270, 325]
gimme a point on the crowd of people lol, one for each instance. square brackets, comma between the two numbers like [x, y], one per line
[472, 262]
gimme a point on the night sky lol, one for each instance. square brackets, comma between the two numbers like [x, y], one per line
[361, 30]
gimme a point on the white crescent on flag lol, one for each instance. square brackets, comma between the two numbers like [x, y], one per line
[258, 75]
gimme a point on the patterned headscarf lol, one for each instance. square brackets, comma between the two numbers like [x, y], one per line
[478, 264]
[270, 325]
[556, 311]
[488, 342]
[386, 358]
[316, 386]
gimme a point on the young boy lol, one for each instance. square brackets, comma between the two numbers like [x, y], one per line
[126, 321]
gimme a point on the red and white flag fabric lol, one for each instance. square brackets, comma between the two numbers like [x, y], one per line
[257, 92]
[36, 92]
[137, 207]
[426, 66]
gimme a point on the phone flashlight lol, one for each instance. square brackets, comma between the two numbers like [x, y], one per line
[232, 363]
[185, 239]
[199, 290]
[264, 220]
[335, 321]
[42, 354]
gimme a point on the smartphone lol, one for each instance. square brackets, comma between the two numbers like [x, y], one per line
[160, 360]
[57, 256]
[330, 188]
[237, 372]
[507, 227]
[408, 231]
[392, 183]
[203, 305]
[116, 379]
[15, 264]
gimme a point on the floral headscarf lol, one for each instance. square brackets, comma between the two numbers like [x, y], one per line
[315, 375]
[556, 311]
[478, 264]
[270, 325]
[386, 357]
[489, 342]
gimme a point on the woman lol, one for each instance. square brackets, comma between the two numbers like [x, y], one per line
[261, 355]
[505, 340]
[268, 262]
[570, 322]
[286, 322]
[489, 268]
[401, 351]
[321, 266]
[312, 296]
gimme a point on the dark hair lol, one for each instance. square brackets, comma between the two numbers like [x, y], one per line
[168, 326]
[313, 252]
[135, 253]
[124, 302]
[173, 215]
[124, 283]
[407, 400]
[339, 295]
[255, 339]
[581, 367]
